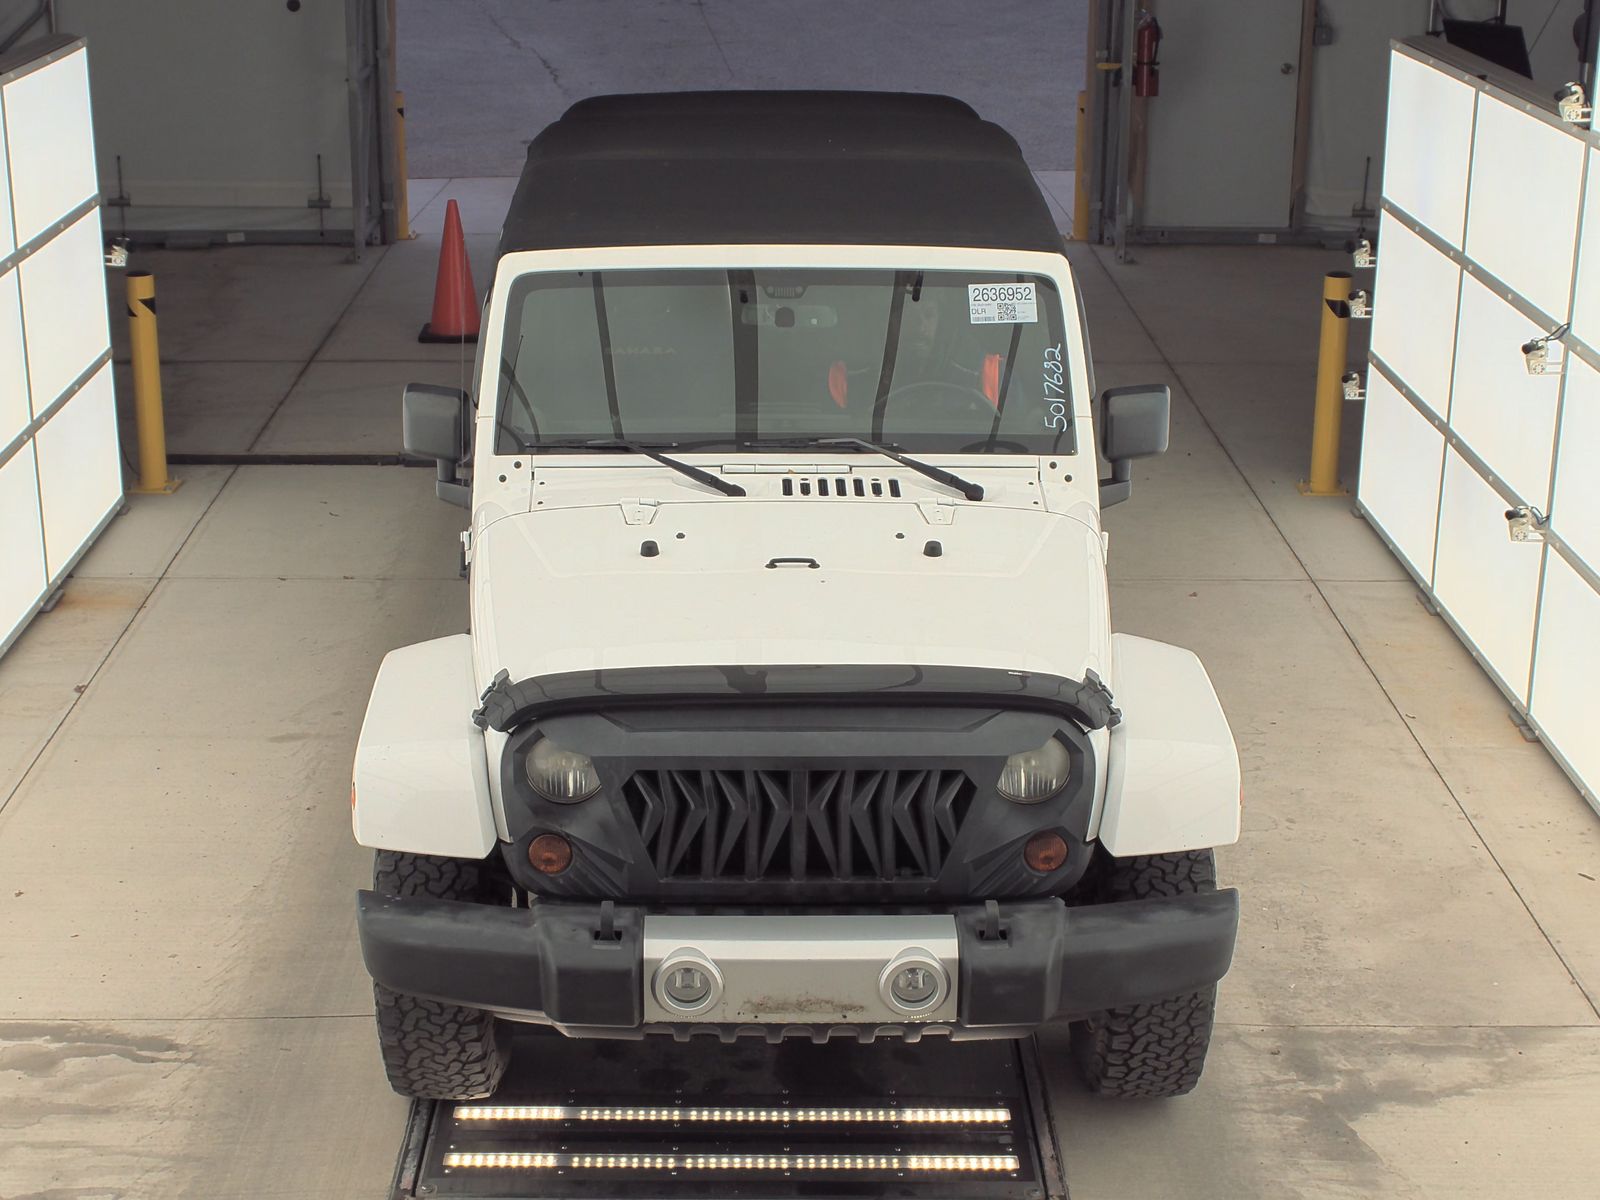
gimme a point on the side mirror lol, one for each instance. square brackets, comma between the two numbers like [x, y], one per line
[433, 421]
[1134, 423]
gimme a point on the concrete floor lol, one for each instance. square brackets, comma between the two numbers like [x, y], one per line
[183, 1011]
[1019, 62]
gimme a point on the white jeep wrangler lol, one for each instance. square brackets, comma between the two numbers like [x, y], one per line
[790, 705]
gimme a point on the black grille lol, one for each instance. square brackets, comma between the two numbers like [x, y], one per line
[795, 826]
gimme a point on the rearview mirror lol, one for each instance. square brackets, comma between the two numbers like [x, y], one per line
[1135, 422]
[433, 421]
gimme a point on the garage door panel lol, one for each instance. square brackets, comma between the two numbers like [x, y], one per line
[1507, 416]
[1413, 327]
[1428, 146]
[1565, 701]
[22, 580]
[1575, 511]
[63, 305]
[8, 233]
[60, 461]
[1586, 299]
[80, 469]
[1485, 581]
[50, 142]
[1520, 223]
[1401, 456]
[15, 412]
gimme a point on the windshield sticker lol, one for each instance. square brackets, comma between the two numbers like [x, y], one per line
[1001, 303]
[1054, 389]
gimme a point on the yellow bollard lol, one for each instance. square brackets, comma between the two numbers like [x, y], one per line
[1080, 168]
[1331, 357]
[153, 478]
[402, 199]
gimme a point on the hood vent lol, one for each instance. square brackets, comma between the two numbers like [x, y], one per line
[841, 486]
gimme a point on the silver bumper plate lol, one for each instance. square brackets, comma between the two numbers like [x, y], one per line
[830, 970]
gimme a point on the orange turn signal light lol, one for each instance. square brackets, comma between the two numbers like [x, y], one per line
[1045, 852]
[550, 854]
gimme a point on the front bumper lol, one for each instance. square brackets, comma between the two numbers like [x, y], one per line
[584, 967]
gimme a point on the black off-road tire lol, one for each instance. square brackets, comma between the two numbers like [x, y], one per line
[1149, 1051]
[430, 1049]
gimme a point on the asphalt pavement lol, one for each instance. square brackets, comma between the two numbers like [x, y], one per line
[482, 77]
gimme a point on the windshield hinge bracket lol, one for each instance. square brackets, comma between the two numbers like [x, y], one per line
[499, 689]
[1095, 699]
[639, 512]
[937, 511]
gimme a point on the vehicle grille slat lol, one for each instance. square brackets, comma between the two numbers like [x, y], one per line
[884, 811]
[799, 825]
[647, 806]
[734, 817]
[944, 806]
[907, 818]
[773, 802]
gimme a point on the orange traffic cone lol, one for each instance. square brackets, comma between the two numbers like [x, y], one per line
[455, 300]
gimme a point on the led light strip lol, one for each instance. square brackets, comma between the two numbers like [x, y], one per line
[541, 1160]
[769, 1116]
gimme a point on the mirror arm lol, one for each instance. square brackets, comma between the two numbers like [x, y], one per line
[1120, 486]
[449, 489]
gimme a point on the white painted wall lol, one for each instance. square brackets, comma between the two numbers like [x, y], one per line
[218, 111]
[1348, 102]
[1221, 133]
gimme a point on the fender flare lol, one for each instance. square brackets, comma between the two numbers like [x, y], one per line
[421, 779]
[1172, 780]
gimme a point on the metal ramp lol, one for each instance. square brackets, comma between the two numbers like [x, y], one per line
[619, 1120]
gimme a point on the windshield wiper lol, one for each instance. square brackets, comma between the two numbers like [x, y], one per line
[972, 491]
[649, 451]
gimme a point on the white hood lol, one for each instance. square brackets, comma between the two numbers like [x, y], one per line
[1014, 589]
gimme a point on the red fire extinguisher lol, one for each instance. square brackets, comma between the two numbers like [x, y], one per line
[1146, 45]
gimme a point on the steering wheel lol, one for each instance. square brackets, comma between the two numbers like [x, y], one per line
[960, 399]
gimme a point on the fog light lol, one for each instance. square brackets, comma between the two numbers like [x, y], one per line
[688, 982]
[550, 853]
[1045, 852]
[913, 987]
[913, 982]
[687, 986]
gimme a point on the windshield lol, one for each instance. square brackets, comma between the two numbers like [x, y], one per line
[927, 361]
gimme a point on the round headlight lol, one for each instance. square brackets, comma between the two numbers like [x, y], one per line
[563, 775]
[1036, 775]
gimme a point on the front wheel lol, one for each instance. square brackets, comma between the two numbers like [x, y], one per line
[1149, 1051]
[431, 1049]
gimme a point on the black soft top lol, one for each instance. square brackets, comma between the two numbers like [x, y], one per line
[823, 168]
